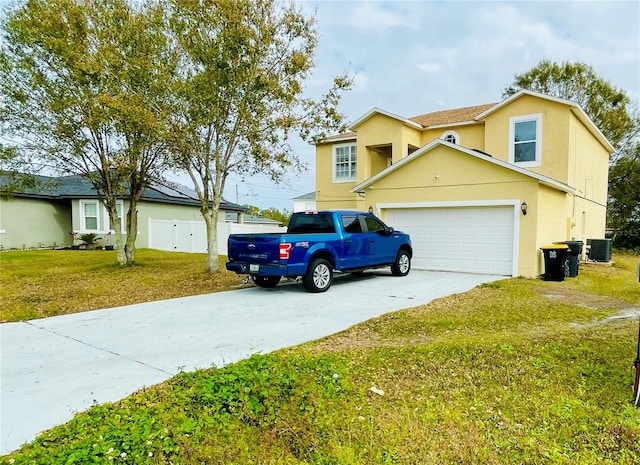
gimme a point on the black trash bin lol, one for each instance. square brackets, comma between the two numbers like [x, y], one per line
[555, 259]
[573, 256]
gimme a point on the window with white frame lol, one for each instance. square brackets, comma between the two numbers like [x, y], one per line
[525, 140]
[451, 136]
[95, 217]
[89, 215]
[344, 163]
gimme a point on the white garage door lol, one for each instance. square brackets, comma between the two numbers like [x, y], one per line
[465, 239]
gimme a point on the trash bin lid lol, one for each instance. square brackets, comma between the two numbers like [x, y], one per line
[555, 246]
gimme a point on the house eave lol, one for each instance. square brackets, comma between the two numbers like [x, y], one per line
[451, 125]
[336, 139]
[378, 111]
[360, 188]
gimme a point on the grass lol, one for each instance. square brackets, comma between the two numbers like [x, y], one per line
[38, 284]
[518, 371]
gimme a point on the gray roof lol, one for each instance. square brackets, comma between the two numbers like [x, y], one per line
[309, 196]
[79, 187]
[259, 220]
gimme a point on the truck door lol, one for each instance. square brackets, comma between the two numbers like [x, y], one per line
[381, 247]
[355, 245]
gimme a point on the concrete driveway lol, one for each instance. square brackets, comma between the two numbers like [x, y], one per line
[52, 368]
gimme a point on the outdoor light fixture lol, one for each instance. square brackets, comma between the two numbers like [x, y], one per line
[523, 208]
[370, 209]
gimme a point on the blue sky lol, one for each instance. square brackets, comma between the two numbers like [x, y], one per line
[414, 57]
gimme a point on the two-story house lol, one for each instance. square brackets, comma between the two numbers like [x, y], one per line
[480, 189]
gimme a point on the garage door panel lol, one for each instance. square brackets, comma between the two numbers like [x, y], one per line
[463, 239]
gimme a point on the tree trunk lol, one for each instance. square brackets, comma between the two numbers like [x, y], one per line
[132, 231]
[211, 220]
[114, 224]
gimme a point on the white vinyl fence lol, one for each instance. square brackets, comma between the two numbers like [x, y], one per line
[191, 236]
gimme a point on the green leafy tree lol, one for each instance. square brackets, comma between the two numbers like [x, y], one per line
[240, 94]
[82, 89]
[623, 209]
[13, 177]
[252, 210]
[275, 214]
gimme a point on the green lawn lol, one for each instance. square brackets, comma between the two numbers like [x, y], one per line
[37, 284]
[512, 372]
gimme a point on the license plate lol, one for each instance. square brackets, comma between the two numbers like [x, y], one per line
[254, 267]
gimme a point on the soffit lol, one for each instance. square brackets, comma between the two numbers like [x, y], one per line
[478, 155]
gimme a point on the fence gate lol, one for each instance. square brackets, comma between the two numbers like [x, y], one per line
[191, 236]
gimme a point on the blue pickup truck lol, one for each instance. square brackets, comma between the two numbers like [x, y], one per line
[318, 243]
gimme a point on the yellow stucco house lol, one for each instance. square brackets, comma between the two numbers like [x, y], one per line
[480, 189]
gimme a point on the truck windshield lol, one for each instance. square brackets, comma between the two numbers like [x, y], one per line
[311, 223]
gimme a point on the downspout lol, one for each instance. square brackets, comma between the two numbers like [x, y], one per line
[573, 218]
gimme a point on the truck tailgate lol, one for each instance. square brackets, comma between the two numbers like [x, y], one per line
[254, 248]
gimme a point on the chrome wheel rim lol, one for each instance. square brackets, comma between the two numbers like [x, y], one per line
[321, 276]
[403, 263]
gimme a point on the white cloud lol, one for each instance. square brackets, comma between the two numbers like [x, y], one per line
[360, 80]
[377, 16]
[430, 67]
[434, 60]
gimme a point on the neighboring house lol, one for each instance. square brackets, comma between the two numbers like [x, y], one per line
[305, 202]
[169, 217]
[245, 218]
[480, 189]
[261, 220]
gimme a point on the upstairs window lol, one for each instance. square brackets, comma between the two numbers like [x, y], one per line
[525, 140]
[344, 163]
[451, 136]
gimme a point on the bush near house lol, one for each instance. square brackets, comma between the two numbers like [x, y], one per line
[515, 371]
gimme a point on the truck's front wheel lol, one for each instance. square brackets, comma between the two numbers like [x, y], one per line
[265, 281]
[319, 276]
[402, 264]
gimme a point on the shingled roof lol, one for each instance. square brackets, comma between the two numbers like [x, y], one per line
[344, 135]
[457, 115]
[436, 118]
[78, 187]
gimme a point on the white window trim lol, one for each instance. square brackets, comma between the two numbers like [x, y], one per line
[333, 164]
[102, 217]
[83, 218]
[451, 133]
[512, 128]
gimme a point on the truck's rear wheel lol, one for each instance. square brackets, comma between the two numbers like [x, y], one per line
[402, 265]
[319, 276]
[265, 281]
